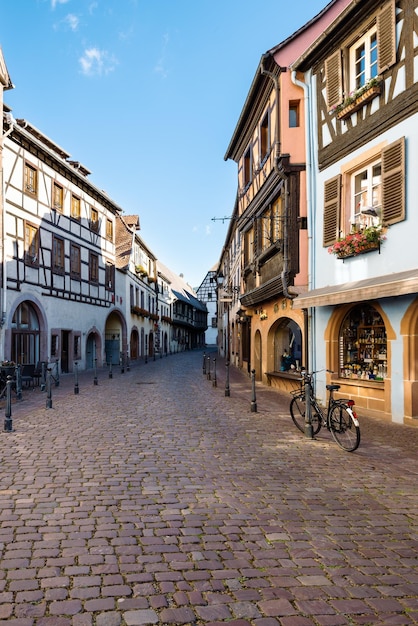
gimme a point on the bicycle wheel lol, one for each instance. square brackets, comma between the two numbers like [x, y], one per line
[298, 412]
[343, 428]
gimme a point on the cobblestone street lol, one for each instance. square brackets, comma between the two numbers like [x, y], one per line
[152, 498]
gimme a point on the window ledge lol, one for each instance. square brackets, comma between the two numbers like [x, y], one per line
[359, 102]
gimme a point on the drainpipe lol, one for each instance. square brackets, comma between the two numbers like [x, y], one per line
[309, 314]
[284, 178]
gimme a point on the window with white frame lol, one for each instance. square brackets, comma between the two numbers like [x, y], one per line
[363, 60]
[367, 195]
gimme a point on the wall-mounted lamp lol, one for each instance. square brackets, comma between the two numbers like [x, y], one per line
[220, 279]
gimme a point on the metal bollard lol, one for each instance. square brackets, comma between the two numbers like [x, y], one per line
[204, 364]
[76, 389]
[8, 422]
[43, 376]
[57, 374]
[253, 398]
[122, 363]
[215, 382]
[227, 390]
[95, 381]
[208, 368]
[110, 367]
[48, 389]
[308, 412]
[18, 382]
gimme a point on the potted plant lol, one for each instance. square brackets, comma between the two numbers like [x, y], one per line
[358, 98]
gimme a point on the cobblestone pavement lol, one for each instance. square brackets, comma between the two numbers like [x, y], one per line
[152, 498]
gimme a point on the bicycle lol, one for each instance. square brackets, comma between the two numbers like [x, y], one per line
[340, 418]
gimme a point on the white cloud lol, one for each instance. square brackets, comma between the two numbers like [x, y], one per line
[55, 2]
[95, 62]
[72, 21]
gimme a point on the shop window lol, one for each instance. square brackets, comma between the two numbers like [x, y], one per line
[363, 345]
[287, 346]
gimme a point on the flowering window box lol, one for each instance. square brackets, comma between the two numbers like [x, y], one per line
[359, 242]
[359, 102]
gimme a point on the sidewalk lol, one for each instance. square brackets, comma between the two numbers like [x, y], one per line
[152, 498]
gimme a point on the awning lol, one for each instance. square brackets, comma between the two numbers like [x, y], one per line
[399, 284]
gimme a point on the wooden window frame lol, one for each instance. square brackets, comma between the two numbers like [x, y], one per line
[93, 268]
[31, 244]
[109, 229]
[30, 185]
[294, 111]
[57, 197]
[58, 255]
[264, 137]
[75, 207]
[110, 277]
[75, 261]
[94, 219]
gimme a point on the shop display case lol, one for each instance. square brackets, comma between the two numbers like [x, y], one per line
[363, 345]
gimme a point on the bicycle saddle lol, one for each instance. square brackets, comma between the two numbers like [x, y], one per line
[333, 387]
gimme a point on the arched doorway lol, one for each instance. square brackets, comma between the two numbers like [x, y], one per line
[134, 344]
[25, 334]
[93, 350]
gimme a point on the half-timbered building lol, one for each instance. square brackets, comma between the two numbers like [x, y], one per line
[268, 145]
[361, 80]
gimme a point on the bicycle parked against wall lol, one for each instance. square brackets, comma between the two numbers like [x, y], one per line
[338, 417]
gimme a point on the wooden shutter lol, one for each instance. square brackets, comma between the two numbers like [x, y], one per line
[332, 206]
[334, 79]
[386, 36]
[393, 182]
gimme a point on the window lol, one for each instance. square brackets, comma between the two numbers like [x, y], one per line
[75, 261]
[93, 268]
[294, 114]
[247, 167]
[248, 247]
[367, 58]
[31, 244]
[94, 220]
[109, 229]
[110, 277]
[366, 196]
[58, 262]
[31, 179]
[264, 137]
[214, 322]
[57, 197]
[363, 60]
[75, 207]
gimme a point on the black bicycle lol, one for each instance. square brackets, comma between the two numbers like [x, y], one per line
[340, 417]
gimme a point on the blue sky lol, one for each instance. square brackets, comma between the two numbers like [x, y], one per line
[146, 94]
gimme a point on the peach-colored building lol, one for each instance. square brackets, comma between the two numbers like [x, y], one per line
[265, 333]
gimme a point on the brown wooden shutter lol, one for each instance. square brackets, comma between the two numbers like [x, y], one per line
[334, 79]
[393, 182]
[332, 206]
[386, 36]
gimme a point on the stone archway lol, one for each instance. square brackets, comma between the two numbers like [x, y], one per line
[409, 332]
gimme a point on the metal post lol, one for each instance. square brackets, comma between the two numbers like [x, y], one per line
[8, 422]
[208, 368]
[110, 367]
[227, 390]
[122, 363]
[43, 376]
[204, 364]
[95, 382]
[128, 365]
[215, 382]
[308, 413]
[57, 374]
[18, 382]
[253, 398]
[48, 389]
[76, 389]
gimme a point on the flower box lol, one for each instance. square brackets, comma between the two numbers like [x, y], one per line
[366, 248]
[359, 102]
